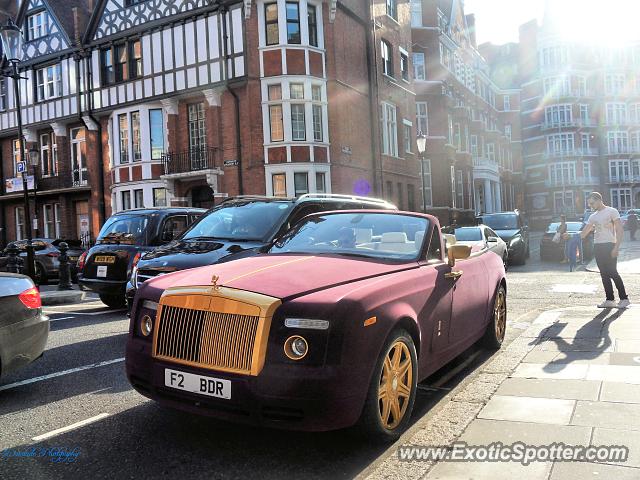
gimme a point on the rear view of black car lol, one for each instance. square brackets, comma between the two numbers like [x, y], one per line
[512, 228]
[23, 328]
[550, 250]
[106, 267]
[239, 226]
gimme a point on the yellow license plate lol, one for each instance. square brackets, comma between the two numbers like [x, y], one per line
[105, 259]
[73, 259]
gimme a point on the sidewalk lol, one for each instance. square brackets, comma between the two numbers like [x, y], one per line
[574, 378]
[628, 258]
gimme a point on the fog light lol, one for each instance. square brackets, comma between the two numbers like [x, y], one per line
[296, 347]
[146, 325]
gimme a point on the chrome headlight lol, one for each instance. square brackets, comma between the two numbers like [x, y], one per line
[515, 240]
[134, 276]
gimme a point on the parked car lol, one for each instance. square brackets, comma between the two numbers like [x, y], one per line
[550, 250]
[512, 228]
[334, 325]
[480, 238]
[47, 265]
[23, 327]
[240, 226]
[106, 267]
[625, 215]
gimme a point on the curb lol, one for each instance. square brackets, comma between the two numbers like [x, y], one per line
[61, 297]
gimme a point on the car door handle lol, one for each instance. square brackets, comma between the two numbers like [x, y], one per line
[453, 275]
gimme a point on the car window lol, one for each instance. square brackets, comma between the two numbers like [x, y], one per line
[490, 233]
[173, 226]
[435, 246]
[468, 234]
[501, 221]
[302, 211]
[124, 229]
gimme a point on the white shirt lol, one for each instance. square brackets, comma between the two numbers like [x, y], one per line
[602, 220]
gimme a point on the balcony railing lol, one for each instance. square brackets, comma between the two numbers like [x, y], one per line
[582, 122]
[569, 182]
[78, 178]
[576, 152]
[192, 160]
[624, 179]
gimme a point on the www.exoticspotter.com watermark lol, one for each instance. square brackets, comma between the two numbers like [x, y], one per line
[516, 452]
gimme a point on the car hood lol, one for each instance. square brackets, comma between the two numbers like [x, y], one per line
[279, 276]
[182, 254]
[507, 235]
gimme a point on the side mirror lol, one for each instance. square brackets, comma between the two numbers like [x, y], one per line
[458, 252]
[492, 239]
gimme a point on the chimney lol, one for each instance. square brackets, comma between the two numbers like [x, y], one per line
[76, 26]
[471, 25]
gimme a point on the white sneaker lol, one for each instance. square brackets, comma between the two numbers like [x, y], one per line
[624, 303]
[608, 304]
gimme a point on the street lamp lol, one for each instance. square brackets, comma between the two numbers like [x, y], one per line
[421, 141]
[12, 42]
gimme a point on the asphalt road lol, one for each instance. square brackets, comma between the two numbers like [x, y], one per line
[81, 378]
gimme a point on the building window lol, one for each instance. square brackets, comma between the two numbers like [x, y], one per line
[20, 223]
[416, 13]
[459, 189]
[321, 186]
[48, 82]
[79, 156]
[312, 22]
[293, 23]
[585, 143]
[159, 197]
[404, 66]
[49, 154]
[123, 124]
[49, 222]
[621, 198]
[387, 58]
[389, 130]
[558, 115]
[563, 202]
[419, 72]
[138, 198]
[121, 62]
[619, 170]
[584, 114]
[560, 144]
[16, 156]
[507, 130]
[135, 136]
[618, 142]
[616, 113]
[298, 127]
[614, 84]
[3, 94]
[296, 91]
[156, 131]
[562, 173]
[317, 123]
[301, 183]
[37, 25]
[279, 184]
[196, 128]
[557, 86]
[491, 153]
[422, 120]
[408, 138]
[586, 170]
[271, 23]
[506, 100]
[392, 9]
[126, 200]
[276, 124]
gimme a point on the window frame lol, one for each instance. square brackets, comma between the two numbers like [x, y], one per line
[292, 21]
[268, 22]
[312, 25]
[113, 71]
[42, 27]
[386, 52]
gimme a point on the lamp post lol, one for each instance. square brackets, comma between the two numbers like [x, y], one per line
[422, 147]
[12, 41]
[34, 160]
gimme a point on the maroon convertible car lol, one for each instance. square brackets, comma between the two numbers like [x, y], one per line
[332, 326]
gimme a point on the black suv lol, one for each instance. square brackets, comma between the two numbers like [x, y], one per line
[512, 228]
[106, 267]
[239, 226]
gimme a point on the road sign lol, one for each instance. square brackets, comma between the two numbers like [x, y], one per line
[21, 167]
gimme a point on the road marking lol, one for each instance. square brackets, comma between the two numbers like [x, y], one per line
[568, 288]
[59, 374]
[68, 428]
[61, 318]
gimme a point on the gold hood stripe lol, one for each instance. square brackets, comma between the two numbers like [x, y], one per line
[248, 274]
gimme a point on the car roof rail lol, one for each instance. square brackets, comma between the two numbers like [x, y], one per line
[339, 196]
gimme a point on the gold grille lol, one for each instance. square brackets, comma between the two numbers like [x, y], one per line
[208, 328]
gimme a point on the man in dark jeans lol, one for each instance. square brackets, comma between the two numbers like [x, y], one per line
[608, 235]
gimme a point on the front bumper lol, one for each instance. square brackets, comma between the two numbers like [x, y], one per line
[293, 397]
[102, 287]
[23, 342]
[517, 249]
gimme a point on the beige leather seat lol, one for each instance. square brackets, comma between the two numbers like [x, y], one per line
[396, 242]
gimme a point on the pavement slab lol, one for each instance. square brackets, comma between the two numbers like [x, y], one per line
[485, 432]
[620, 392]
[584, 471]
[624, 416]
[528, 409]
[630, 439]
[550, 388]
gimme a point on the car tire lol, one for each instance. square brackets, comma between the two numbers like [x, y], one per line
[113, 301]
[40, 274]
[494, 334]
[378, 420]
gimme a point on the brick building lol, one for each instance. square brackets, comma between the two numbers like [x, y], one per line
[469, 114]
[580, 121]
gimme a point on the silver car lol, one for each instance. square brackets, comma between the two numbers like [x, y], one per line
[481, 237]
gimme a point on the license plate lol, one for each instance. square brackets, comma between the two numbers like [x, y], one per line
[104, 259]
[101, 271]
[213, 387]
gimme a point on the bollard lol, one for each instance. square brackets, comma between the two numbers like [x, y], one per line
[64, 274]
[14, 262]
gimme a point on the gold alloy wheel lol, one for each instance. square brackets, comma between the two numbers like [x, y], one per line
[394, 390]
[500, 315]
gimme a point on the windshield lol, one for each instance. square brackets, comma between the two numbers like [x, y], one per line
[244, 221]
[571, 227]
[501, 222]
[124, 229]
[373, 235]
[468, 234]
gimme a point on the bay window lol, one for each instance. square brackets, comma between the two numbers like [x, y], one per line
[312, 23]
[293, 23]
[272, 33]
[156, 130]
[123, 124]
[301, 183]
[298, 127]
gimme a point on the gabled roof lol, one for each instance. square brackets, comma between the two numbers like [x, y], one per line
[63, 13]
